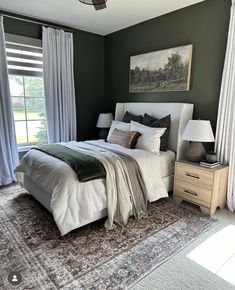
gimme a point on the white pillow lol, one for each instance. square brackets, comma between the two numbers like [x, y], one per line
[150, 137]
[119, 125]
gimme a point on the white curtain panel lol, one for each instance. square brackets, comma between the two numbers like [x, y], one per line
[9, 157]
[225, 132]
[59, 85]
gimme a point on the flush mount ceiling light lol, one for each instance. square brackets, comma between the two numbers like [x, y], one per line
[98, 4]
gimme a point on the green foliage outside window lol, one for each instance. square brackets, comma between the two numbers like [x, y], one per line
[29, 104]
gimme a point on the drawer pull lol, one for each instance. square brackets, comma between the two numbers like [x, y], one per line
[192, 175]
[190, 192]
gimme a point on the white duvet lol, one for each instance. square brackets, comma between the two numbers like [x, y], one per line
[74, 202]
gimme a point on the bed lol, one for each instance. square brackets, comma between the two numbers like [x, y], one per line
[95, 203]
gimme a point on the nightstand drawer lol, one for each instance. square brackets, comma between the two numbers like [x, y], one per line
[192, 193]
[195, 176]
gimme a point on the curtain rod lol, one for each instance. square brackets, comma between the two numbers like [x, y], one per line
[37, 22]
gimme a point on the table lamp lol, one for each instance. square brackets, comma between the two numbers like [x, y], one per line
[197, 131]
[104, 123]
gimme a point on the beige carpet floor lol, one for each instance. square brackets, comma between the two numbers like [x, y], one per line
[216, 272]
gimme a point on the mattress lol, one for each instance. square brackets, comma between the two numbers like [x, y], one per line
[74, 203]
[167, 163]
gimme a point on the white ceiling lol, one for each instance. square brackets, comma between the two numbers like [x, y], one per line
[119, 14]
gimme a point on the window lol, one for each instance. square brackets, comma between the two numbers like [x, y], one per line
[24, 59]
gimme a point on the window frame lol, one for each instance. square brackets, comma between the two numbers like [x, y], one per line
[26, 44]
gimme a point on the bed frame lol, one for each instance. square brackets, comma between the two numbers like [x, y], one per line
[180, 114]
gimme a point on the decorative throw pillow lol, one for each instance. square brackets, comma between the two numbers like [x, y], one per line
[126, 139]
[119, 125]
[165, 122]
[150, 137]
[128, 117]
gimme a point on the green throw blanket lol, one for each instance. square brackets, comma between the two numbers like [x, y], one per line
[87, 167]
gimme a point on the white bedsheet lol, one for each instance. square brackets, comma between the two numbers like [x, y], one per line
[167, 162]
[74, 202]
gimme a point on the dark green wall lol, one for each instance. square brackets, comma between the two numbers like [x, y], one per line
[205, 25]
[88, 72]
[101, 64]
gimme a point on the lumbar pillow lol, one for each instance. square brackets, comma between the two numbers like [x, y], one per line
[126, 139]
[164, 122]
[128, 117]
[150, 137]
[119, 125]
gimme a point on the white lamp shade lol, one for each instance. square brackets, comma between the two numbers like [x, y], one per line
[198, 131]
[104, 120]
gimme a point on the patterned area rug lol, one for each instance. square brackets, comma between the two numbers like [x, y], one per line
[89, 257]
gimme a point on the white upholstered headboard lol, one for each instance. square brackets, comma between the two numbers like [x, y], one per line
[180, 114]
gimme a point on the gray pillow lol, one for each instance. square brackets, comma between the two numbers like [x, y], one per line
[128, 117]
[165, 122]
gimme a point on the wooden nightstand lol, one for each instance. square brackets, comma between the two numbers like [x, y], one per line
[200, 185]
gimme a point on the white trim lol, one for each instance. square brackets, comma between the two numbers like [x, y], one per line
[24, 148]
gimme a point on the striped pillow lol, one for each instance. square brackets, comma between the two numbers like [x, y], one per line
[126, 139]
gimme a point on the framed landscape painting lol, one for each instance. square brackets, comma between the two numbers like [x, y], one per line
[163, 70]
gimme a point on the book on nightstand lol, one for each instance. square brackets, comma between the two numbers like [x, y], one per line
[210, 165]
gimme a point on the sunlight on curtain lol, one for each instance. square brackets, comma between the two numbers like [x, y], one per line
[225, 131]
[59, 85]
[8, 148]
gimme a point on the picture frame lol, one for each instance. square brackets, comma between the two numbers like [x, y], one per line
[161, 71]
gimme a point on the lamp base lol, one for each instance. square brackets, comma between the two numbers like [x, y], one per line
[196, 152]
[103, 133]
